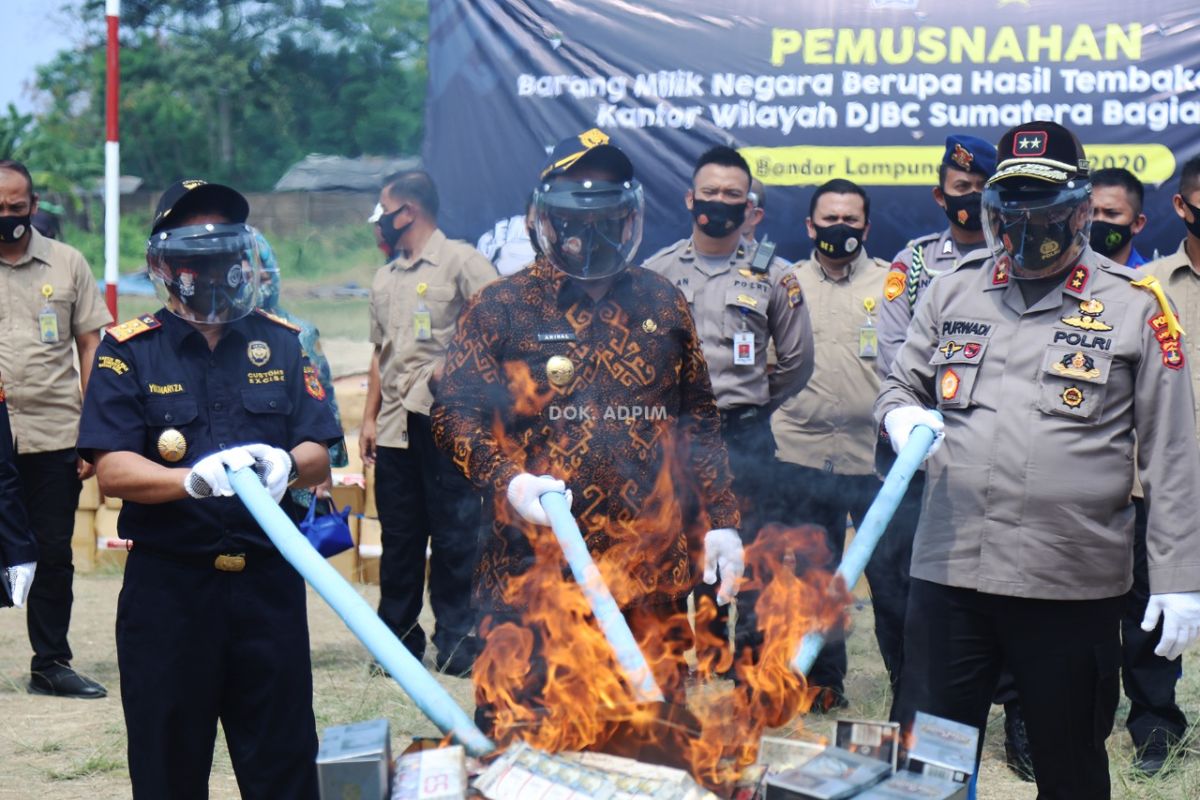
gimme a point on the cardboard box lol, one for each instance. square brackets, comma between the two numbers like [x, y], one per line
[369, 507]
[877, 740]
[106, 523]
[89, 497]
[942, 749]
[355, 761]
[112, 502]
[346, 563]
[370, 537]
[83, 541]
[349, 495]
[368, 571]
[909, 785]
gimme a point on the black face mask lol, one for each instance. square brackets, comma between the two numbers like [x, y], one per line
[13, 228]
[718, 219]
[391, 234]
[1193, 226]
[963, 210]
[839, 241]
[1107, 238]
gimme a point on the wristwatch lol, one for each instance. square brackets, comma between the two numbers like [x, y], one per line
[294, 472]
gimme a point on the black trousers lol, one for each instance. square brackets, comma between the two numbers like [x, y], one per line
[824, 499]
[195, 645]
[1064, 656]
[1149, 679]
[424, 500]
[751, 449]
[50, 487]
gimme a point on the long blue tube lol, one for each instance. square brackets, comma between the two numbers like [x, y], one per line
[608, 616]
[874, 524]
[359, 617]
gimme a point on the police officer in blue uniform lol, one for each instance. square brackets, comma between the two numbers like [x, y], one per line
[211, 621]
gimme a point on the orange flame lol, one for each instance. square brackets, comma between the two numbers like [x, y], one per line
[552, 679]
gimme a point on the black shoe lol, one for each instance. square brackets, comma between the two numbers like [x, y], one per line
[458, 663]
[1151, 757]
[62, 681]
[1016, 743]
[828, 701]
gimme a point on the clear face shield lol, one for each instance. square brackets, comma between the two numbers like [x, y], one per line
[1041, 228]
[589, 229]
[208, 273]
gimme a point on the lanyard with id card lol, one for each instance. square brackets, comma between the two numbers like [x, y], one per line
[868, 340]
[48, 318]
[743, 345]
[422, 319]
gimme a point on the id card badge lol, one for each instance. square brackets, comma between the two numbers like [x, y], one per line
[47, 319]
[743, 348]
[422, 325]
[868, 342]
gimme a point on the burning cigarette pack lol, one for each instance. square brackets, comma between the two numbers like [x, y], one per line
[877, 740]
[911, 786]
[833, 775]
[354, 761]
[778, 754]
[527, 774]
[439, 774]
[942, 749]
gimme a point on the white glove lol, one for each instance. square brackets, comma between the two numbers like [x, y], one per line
[273, 465]
[1180, 613]
[899, 424]
[525, 492]
[723, 553]
[208, 477]
[20, 578]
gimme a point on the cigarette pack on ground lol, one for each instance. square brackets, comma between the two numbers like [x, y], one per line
[833, 775]
[635, 780]
[89, 496]
[877, 740]
[942, 749]
[778, 754]
[911, 786]
[438, 774]
[523, 773]
[355, 761]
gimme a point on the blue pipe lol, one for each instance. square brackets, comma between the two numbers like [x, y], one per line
[874, 525]
[604, 607]
[359, 617]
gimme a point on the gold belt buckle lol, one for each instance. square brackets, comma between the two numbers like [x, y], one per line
[230, 562]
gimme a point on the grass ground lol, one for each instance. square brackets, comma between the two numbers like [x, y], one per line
[75, 750]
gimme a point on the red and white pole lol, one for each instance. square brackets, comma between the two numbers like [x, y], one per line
[112, 160]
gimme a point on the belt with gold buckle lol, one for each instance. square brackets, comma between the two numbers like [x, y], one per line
[230, 562]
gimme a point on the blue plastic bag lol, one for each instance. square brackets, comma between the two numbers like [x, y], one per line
[329, 534]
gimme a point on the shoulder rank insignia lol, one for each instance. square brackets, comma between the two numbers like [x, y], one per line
[1077, 280]
[291, 326]
[1170, 321]
[134, 327]
[1000, 272]
[893, 285]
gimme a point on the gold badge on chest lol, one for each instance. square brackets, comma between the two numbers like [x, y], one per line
[172, 446]
[559, 370]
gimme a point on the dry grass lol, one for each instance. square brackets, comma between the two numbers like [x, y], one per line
[74, 749]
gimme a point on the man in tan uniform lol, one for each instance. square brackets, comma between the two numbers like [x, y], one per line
[1156, 722]
[825, 434]
[1044, 359]
[740, 298]
[52, 307]
[421, 496]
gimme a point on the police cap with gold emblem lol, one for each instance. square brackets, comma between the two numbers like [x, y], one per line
[187, 195]
[594, 148]
[970, 154]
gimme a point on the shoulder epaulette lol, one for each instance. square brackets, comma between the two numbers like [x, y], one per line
[974, 258]
[1151, 284]
[291, 326]
[134, 327]
[929, 237]
[668, 249]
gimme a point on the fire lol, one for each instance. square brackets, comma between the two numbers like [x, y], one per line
[551, 679]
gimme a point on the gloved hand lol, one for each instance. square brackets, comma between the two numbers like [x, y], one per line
[723, 552]
[208, 477]
[899, 424]
[525, 492]
[273, 465]
[20, 578]
[1180, 613]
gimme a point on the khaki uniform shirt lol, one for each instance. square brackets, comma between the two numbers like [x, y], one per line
[41, 379]
[828, 424]
[1182, 285]
[1029, 495]
[904, 284]
[449, 272]
[730, 299]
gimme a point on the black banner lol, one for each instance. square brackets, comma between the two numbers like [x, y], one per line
[861, 89]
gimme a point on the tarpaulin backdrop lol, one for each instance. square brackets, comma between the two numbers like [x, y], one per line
[860, 89]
